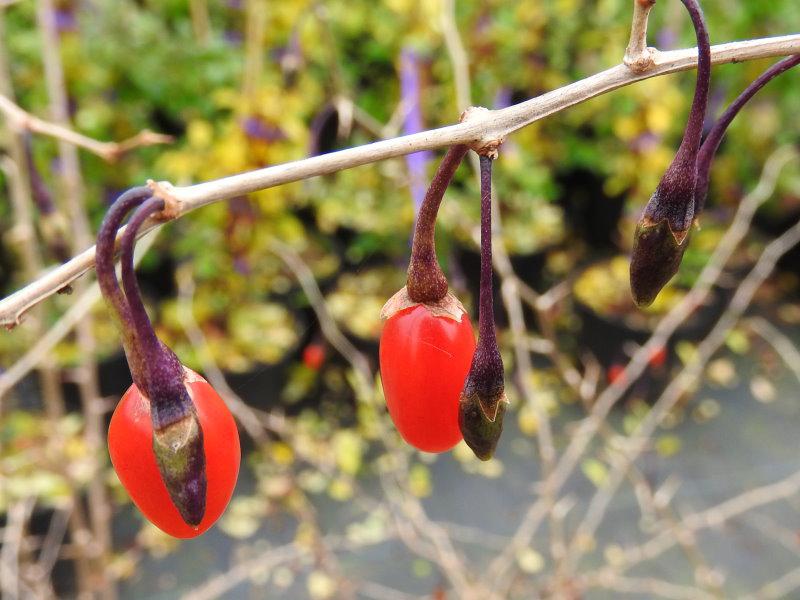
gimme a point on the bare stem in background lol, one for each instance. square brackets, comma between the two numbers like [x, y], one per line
[255, 36]
[108, 151]
[779, 341]
[201, 22]
[86, 375]
[588, 428]
[682, 383]
[712, 517]
[458, 55]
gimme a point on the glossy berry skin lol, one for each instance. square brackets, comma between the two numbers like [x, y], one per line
[130, 444]
[424, 361]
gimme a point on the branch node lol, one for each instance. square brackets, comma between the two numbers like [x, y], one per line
[488, 142]
[644, 61]
[173, 206]
[638, 56]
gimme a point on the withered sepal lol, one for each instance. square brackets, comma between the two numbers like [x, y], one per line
[662, 233]
[179, 450]
[482, 404]
[449, 306]
[655, 259]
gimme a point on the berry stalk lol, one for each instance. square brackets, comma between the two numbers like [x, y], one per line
[714, 137]
[662, 231]
[690, 144]
[426, 283]
[107, 277]
[177, 434]
[483, 401]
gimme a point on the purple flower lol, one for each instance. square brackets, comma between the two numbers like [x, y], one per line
[65, 19]
[410, 95]
[259, 129]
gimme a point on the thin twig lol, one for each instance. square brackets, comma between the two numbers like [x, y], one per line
[779, 341]
[108, 151]
[458, 55]
[219, 585]
[331, 332]
[780, 588]
[14, 531]
[710, 518]
[653, 588]
[243, 413]
[72, 196]
[684, 381]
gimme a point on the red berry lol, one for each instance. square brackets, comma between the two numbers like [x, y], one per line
[658, 357]
[130, 444]
[314, 356]
[424, 360]
[616, 372]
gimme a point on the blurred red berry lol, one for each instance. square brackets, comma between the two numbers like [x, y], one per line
[616, 372]
[658, 357]
[314, 356]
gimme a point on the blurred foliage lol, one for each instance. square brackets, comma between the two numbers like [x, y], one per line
[236, 102]
[135, 65]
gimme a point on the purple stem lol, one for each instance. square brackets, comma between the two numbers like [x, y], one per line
[164, 381]
[104, 254]
[39, 192]
[687, 152]
[487, 337]
[43, 200]
[714, 137]
[426, 282]
[417, 162]
[178, 443]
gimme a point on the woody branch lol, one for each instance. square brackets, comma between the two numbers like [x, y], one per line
[483, 128]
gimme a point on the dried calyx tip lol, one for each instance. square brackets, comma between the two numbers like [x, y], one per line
[482, 407]
[662, 233]
[483, 401]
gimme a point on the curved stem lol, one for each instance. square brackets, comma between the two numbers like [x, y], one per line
[107, 276]
[163, 373]
[714, 137]
[106, 237]
[694, 126]
[150, 345]
[177, 432]
[426, 282]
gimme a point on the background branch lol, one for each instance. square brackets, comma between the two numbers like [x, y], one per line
[108, 151]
